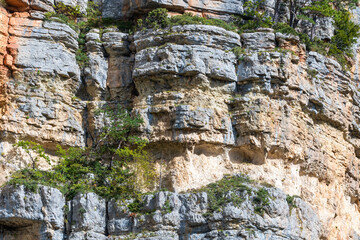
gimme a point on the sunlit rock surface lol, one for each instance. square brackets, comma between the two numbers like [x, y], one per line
[276, 112]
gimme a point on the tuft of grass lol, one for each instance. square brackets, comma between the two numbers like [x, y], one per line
[291, 202]
[312, 72]
[239, 52]
[261, 200]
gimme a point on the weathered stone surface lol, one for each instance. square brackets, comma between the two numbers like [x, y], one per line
[290, 118]
[203, 35]
[287, 105]
[44, 79]
[118, 9]
[97, 70]
[21, 5]
[172, 216]
[258, 40]
[5, 60]
[87, 214]
[50, 57]
[184, 216]
[186, 61]
[120, 62]
[40, 215]
[73, 3]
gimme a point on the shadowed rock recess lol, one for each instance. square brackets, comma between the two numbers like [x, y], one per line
[278, 113]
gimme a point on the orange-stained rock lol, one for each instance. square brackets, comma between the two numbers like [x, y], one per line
[18, 3]
[21, 14]
[4, 71]
[8, 60]
[21, 21]
[4, 19]
[12, 48]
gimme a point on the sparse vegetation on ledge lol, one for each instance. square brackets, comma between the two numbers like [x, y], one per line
[339, 46]
[117, 166]
[235, 189]
[255, 16]
[158, 18]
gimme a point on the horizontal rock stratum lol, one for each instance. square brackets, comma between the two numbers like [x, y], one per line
[164, 215]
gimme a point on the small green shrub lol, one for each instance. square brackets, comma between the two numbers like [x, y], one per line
[167, 208]
[239, 52]
[346, 31]
[285, 28]
[82, 212]
[157, 18]
[254, 17]
[70, 11]
[218, 192]
[29, 178]
[261, 200]
[53, 16]
[136, 205]
[81, 58]
[291, 202]
[117, 166]
[312, 72]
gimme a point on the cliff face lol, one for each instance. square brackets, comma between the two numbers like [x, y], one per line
[164, 215]
[280, 114]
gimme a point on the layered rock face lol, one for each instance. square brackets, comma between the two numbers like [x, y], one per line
[276, 112]
[165, 215]
[40, 93]
[284, 117]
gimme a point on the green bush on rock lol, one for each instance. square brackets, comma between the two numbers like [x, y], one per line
[339, 47]
[117, 166]
[158, 18]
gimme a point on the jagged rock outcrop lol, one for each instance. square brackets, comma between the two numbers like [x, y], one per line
[275, 111]
[164, 215]
[28, 215]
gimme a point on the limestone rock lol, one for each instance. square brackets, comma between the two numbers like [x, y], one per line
[203, 35]
[97, 70]
[280, 114]
[87, 214]
[40, 214]
[259, 40]
[119, 80]
[126, 8]
[184, 216]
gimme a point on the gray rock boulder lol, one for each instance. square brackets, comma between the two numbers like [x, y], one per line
[88, 214]
[96, 72]
[258, 40]
[38, 213]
